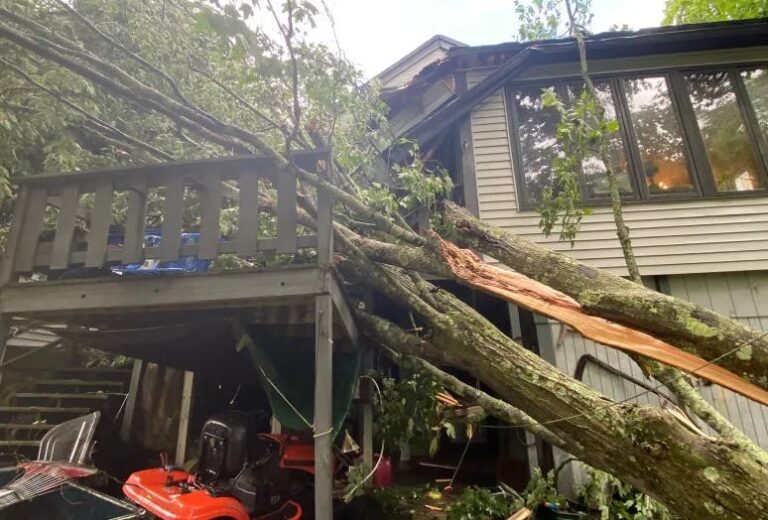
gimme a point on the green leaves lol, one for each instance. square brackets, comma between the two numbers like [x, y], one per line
[618, 500]
[408, 412]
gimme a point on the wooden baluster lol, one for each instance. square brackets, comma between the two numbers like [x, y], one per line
[248, 215]
[209, 219]
[286, 212]
[101, 218]
[31, 224]
[65, 227]
[170, 243]
[325, 223]
[133, 241]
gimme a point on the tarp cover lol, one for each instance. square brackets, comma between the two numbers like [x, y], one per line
[288, 377]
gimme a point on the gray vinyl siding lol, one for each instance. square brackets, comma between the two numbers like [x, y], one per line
[675, 237]
[741, 295]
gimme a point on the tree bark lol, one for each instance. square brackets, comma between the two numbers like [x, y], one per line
[686, 325]
[699, 477]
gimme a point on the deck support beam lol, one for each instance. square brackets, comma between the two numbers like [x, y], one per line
[323, 420]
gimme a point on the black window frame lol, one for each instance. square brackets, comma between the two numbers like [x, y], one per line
[697, 158]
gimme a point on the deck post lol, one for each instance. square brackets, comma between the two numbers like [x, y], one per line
[186, 408]
[367, 425]
[323, 420]
[130, 403]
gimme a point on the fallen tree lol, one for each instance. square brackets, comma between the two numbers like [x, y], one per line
[688, 326]
[701, 477]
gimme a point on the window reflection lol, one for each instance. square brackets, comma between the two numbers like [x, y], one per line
[539, 146]
[664, 166]
[593, 167]
[756, 82]
[733, 162]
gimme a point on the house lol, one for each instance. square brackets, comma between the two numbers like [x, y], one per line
[692, 156]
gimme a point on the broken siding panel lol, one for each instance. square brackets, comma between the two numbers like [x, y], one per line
[680, 237]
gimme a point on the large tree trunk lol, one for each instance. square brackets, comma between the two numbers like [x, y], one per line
[693, 328]
[699, 477]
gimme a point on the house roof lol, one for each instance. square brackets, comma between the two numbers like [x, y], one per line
[511, 58]
[432, 50]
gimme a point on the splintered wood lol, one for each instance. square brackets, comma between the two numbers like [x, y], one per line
[537, 297]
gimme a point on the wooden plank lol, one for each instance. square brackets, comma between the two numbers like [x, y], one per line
[133, 242]
[324, 229]
[65, 227]
[186, 408]
[130, 401]
[248, 214]
[101, 218]
[173, 208]
[323, 420]
[209, 218]
[32, 222]
[240, 288]
[286, 212]
[9, 255]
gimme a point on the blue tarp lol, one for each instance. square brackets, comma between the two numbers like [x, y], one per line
[154, 267]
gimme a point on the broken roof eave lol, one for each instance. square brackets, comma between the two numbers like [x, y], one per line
[685, 38]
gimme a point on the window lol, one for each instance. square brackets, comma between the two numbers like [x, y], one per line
[756, 83]
[593, 168]
[700, 133]
[663, 163]
[536, 127]
[731, 155]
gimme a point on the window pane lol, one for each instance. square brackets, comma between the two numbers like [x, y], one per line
[722, 128]
[659, 139]
[536, 127]
[756, 82]
[593, 168]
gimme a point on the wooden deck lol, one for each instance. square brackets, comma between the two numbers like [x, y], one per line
[70, 230]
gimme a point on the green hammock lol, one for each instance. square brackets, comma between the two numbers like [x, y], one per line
[288, 377]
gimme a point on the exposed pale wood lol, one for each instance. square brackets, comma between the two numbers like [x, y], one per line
[248, 214]
[145, 294]
[537, 297]
[134, 222]
[130, 401]
[323, 420]
[65, 227]
[31, 223]
[209, 219]
[9, 254]
[286, 213]
[101, 218]
[173, 209]
[186, 408]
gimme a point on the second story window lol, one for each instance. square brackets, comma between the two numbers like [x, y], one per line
[683, 134]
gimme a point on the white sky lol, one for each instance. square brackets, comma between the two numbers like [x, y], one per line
[375, 34]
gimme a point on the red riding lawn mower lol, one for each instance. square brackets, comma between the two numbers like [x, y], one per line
[241, 475]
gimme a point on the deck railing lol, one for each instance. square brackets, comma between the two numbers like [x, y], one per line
[234, 181]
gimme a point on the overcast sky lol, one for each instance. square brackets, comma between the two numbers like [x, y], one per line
[375, 34]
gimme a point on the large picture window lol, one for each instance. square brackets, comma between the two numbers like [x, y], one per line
[683, 134]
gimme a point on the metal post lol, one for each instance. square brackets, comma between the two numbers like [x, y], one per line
[323, 420]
